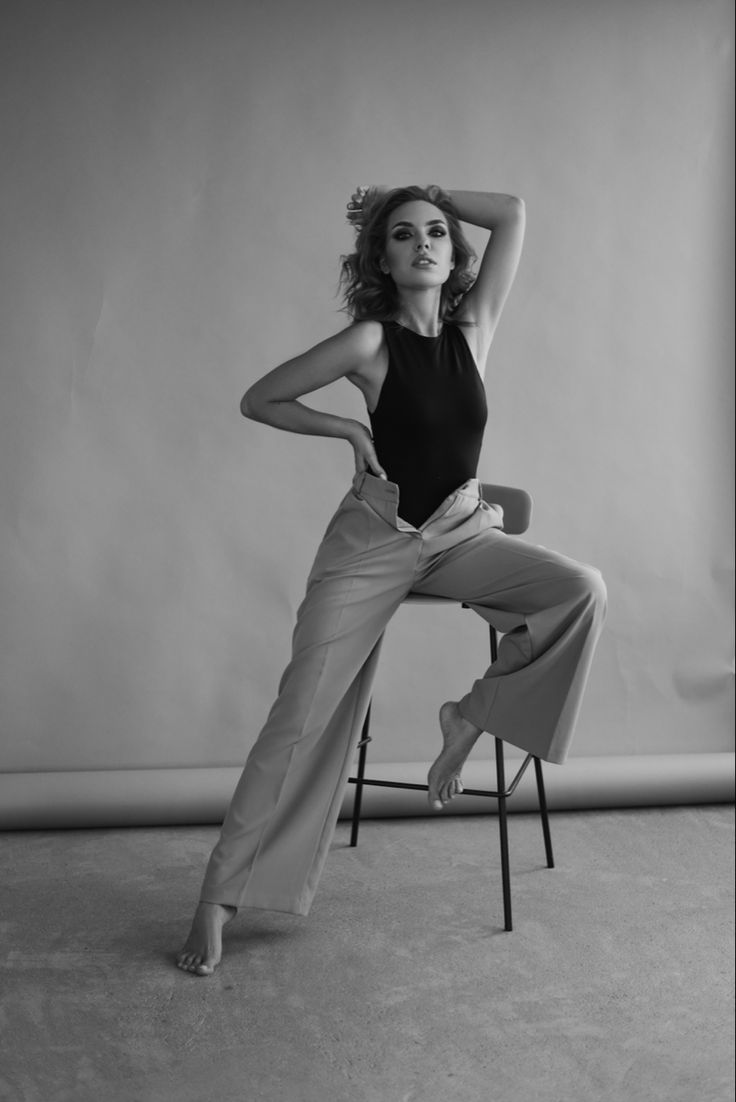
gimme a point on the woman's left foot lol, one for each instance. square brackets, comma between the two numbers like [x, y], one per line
[203, 948]
[459, 736]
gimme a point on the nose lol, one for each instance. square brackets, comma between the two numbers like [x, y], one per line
[422, 243]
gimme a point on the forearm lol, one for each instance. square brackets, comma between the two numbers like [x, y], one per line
[487, 209]
[294, 416]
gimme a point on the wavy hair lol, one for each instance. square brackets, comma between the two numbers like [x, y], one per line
[370, 293]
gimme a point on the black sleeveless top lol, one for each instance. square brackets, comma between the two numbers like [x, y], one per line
[428, 424]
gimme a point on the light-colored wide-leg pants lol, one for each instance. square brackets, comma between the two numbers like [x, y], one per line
[281, 820]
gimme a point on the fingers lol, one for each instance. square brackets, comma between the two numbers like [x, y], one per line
[374, 466]
[371, 467]
[356, 199]
[365, 454]
[356, 204]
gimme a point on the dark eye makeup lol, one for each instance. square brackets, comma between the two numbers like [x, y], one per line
[434, 231]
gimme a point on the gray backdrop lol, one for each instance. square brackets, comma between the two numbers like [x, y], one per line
[173, 188]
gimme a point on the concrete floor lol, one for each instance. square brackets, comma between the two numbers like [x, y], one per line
[615, 986]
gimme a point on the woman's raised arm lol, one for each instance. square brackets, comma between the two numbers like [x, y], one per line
[505, 217]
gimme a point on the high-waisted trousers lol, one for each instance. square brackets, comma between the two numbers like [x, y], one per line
[550, 609]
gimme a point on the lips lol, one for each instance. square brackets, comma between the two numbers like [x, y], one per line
[424, 262]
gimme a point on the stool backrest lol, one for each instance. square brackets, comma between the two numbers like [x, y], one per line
[516, 505]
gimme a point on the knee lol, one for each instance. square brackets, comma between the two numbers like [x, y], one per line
[593, 589]
[582, 586]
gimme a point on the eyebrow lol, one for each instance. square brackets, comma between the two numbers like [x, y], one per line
[432, 222]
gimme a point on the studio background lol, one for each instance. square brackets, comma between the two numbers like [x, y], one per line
[173, 190]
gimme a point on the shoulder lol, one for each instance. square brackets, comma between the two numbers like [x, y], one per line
[365, 338]
[349, 350]
[368, 361]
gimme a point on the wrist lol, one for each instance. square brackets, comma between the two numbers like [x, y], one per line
[351, 430]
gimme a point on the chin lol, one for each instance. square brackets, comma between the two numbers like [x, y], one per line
[429, 278]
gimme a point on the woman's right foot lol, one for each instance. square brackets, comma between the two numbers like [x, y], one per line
[459, 736]
[203, 948]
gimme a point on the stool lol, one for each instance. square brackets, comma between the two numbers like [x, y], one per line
[517, 505]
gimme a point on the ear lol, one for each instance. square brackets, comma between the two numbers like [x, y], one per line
[383, 266]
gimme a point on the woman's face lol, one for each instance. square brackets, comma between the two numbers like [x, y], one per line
[419, 249]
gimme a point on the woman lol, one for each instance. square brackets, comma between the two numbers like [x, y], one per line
[413, 520]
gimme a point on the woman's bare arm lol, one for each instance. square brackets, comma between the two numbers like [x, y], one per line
[505, 217]
[274, 399]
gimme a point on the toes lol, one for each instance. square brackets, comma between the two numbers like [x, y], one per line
[442, 794]
[195, 964]
[451, 789]
[188, 961]
[433, 794]
[448, 791]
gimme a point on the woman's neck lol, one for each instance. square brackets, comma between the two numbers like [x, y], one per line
[420, 313]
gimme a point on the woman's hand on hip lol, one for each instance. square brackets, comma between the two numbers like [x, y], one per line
[365, 452]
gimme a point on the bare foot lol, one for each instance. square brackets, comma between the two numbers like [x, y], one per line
[458, 736]
[203, 948]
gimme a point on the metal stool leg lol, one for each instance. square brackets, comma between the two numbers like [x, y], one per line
[501, 794]
[494, 642]
[503, 834]
[365, 738]
[543, 812]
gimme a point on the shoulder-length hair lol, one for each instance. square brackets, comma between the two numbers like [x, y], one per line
[370, 293]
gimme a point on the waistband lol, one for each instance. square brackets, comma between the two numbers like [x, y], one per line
[378, 489]
[366, 484]
[382, 493]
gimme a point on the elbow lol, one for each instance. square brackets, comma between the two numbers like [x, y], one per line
[248, 406]
[257, 405]
[507, 210]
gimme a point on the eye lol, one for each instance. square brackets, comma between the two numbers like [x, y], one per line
[401, 235]
[439, 231]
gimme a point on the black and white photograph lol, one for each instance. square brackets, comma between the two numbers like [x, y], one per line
[367, 551]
